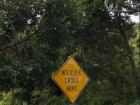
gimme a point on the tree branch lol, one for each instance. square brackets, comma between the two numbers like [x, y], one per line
[17, 42]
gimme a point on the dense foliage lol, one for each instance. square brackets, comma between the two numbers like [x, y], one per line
[37, 36]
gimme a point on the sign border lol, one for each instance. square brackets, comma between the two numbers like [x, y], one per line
[61, 88]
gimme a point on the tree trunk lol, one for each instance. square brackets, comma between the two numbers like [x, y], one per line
[125, 39]
[130, 56]
[25, 103]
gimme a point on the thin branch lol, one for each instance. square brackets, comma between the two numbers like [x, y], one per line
[17, 43]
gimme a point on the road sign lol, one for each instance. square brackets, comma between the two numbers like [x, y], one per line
[71, 79]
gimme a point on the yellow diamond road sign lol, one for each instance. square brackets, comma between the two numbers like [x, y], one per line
[71, 78]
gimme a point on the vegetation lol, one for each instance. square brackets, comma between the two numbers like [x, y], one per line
[37, 36]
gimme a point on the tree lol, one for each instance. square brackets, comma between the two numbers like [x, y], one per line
[37, 36]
